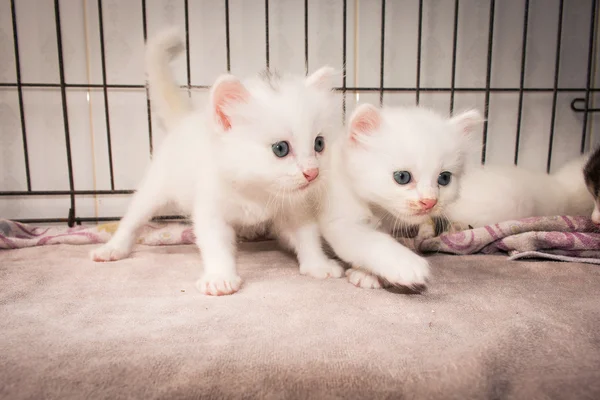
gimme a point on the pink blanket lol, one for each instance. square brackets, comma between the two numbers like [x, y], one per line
[559, 238]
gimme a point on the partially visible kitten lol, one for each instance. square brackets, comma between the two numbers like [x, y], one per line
[251, 158]
[591, 175]
[395, 166]
[492, 194]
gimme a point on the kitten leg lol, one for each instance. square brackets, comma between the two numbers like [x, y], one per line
[216, 241]
[142, 207]
[376, 252]
[305, 240]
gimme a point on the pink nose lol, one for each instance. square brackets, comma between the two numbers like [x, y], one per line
[311, 174]
[427, 204]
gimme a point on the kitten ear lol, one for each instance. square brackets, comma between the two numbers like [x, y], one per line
[227, 90]
[467, 121]
[321, 78]
[364, 121]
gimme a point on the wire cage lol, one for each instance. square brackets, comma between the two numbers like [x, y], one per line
[76, 122]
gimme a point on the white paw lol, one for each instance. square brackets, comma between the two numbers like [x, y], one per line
[363, 279]
[110, 252]
[412, 272]
[219, 285]
[323, 270]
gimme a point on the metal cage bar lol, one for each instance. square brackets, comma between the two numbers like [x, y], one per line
[522, 80]
[561, 6]
[578, 104]
[13, 12]
[65, 112]
[382, 61]
[454, 46]
[488, 78]
[105, 90]
[148, 102]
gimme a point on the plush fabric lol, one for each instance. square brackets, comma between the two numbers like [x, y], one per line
[138, 328]
[559, 238]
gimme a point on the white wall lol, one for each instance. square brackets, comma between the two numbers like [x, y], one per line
[127, 107]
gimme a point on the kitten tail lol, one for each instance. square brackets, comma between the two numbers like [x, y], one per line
[167, 99]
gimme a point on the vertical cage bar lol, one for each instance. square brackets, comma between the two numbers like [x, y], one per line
[306, 37]
[522, 80]
[588, 80]
[488, 78]
[555, 86]
[20, 92]
[267, 58]
[382, 62]
[148, 103]
[419, 39]
[344, 40]
[63, 92]
[454, 45]
[227, 35]
[187, 46]
[105, 89]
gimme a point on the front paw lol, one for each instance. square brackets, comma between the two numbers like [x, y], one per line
[110, 252]
[219, 285]
[322, 270]
[363, 279]
[412, 272]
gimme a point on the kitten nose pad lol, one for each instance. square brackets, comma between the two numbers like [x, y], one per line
[311, 174]
[427, 204]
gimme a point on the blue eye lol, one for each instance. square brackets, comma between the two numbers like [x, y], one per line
[281, 149]
[444, 178]
[402, 177]
[319, 144]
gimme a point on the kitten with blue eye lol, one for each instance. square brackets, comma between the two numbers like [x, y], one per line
[591, 176]
[252, 158]
[395, 166]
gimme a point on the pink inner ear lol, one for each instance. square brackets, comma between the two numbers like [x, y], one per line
[467, 121]
[365, 122]
[226, 93]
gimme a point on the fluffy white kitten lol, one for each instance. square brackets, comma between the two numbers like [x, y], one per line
[492, 194]
[394, 166]
[251, 158]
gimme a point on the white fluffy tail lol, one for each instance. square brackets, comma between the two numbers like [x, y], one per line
[165, 94]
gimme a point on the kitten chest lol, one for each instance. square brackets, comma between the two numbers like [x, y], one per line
[244, 212]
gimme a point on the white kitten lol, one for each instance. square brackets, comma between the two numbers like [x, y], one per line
[251, 158]
[492, 194]
[395, 166]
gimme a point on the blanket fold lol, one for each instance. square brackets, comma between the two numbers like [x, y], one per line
[561, 238]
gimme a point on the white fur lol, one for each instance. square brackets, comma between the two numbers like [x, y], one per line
[218, 166]
[364, 203]
[492, 194]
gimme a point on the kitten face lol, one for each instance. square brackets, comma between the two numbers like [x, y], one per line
[278, 134]
[407, 161]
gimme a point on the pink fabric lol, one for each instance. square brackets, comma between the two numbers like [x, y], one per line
[557, 238]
